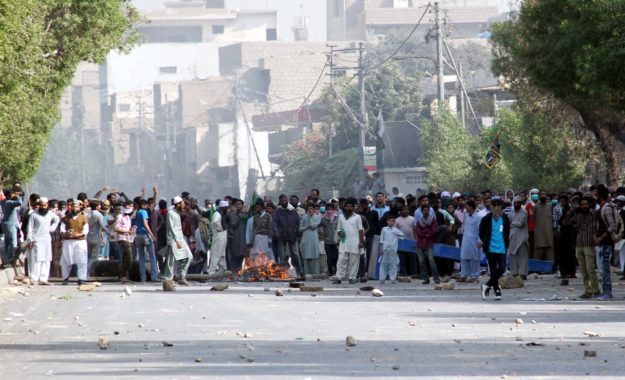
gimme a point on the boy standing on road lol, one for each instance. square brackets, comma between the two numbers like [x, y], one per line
[389, 240]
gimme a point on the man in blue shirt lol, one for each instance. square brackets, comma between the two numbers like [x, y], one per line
[10, 224]
[494, 240]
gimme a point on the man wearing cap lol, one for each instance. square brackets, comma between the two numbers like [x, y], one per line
[97, 231]
[74, 230]
[220, 239]
[531, 220]
[40, 226]
[178, 251]
[543, 229]
[518, 250]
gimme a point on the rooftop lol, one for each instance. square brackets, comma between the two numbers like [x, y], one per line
[410, 16]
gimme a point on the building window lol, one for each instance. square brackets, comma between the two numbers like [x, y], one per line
[272, 34]
[124, 107]
[168, 70]
[218, 29]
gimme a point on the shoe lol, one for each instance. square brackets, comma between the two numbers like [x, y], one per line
[462, 279]
[336, 282]
[382, 282]
[564, 283]
[523, 277]
[393, 282]
[352, 282]
[585, 296]
[437, 280]
[168, 286]
[126, 281]
[81, 282]
[604, 297]
[183, 282]
[484, 290]
[66, 281]
[426, 281]
[498, 295]
[363, 280]
[44, 283]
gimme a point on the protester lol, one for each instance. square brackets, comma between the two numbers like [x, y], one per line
[178, 252]
[309, 247]
[388, 250]
[40, 227]
[470, 249]
[351, 236]
[494, 237]
[74, 229]
[426, 230]
[518, 249]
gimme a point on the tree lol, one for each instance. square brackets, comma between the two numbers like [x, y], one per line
[570, 50]
[308, 166]
[447, 153]
[41, 44]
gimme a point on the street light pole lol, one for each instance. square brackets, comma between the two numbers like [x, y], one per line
[439, 54]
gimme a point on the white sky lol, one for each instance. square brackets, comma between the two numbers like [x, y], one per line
[288, 10]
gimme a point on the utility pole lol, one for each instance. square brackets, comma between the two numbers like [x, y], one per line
[363, 109]
[461, 96]
[331, 125]
[439, 54]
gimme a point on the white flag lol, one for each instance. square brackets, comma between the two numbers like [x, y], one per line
[380, 124]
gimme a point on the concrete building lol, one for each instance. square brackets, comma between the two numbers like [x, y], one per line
[371, 19]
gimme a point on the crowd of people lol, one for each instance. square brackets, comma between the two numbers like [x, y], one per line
[341, 239]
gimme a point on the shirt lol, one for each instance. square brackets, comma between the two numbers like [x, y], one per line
[351, 227]
[406, 226]
[389, 238]
[123, 223]
[9, 211]
[497, 244]
[381, 210]
[141, 216]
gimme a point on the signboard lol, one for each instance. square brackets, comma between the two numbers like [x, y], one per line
[370, 158]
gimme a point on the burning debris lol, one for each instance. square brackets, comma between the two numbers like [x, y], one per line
[262, 268]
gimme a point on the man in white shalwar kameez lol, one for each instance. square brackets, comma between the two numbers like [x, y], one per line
[220, 240]
[178, 251]
[40, 225]
[74, 230]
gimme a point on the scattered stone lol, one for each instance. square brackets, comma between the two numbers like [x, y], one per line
[295, 284]
[247, 335]
[279, 293]
[367, 288]
[536, 277]
[219, 287]
[404, 279]
[590, 354]
[266, 289]
[445, 279]
[457, 341]
[251, 360]
[518, 321]
[584, 344]
[518, 339]
[377, 293]
[591, 334]
[411, 324]
[198, 360]
[167, 344]
[103, 342]
[140, 325]
[350, 341]
[511, 282]
[115, 332]
[96, 284]
[453, 325]
[241, 356]
[396, 367]
[86, 287]
[444, 286]
[534, 344]
[533, 322]
[127, 290]
[306, 288]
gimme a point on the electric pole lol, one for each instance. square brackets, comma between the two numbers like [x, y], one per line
[439, 54]
[330, 126]
[363, 109]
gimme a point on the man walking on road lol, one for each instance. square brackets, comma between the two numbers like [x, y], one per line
[494, 236]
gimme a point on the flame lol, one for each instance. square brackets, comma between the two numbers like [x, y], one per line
[262, 268]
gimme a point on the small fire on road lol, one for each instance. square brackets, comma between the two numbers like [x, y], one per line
[262, 268]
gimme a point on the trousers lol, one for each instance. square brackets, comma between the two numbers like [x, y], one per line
[497, 266]
[586, 259]
[347, 265]
[426, 258]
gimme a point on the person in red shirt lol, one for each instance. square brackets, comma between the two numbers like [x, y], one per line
[531, 220]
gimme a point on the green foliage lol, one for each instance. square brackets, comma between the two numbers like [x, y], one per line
[308, 166]
[535, 153]
[447, 153]
[571, 50]
[41, 44]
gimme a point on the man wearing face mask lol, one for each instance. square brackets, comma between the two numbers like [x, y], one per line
[543, 230]
[125, 235]
[531, 220]
[494, 239]
[518, 250]
[40, 226]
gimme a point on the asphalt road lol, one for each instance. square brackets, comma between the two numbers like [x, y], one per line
[247, 332]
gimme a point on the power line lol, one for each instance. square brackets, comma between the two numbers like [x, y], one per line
[323, 69]
[427, 7]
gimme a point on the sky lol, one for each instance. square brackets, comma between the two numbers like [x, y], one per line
[288, 11]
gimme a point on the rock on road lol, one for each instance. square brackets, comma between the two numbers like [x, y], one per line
[248, 332]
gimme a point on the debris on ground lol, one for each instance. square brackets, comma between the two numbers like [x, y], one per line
[377, 293]
[518, 321]
[279, 293]
[444, 286]
[367, 288]
[103, 342]
[219, 287]
[404, 279]
[590, 354]
[307, 288]
[350, 341]
[591, 334]
[511, 282]
[167, 344]
[127, 290]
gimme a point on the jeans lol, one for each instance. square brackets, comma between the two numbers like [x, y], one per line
[426, 257]
[606, 280]
[145, 246]
[407, 264]
[296, 261]
[10, 241]
[497, 266]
